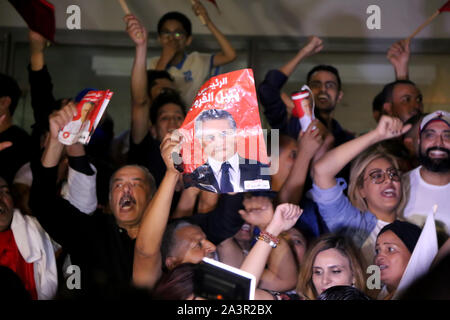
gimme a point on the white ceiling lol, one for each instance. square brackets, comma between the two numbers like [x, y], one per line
[325, 18]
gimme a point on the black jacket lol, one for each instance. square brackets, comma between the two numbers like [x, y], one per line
[203, 176]
[104, 251]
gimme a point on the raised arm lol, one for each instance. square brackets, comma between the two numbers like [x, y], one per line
[227, 53]
[207, 202]
[147, 255]
[313, 46]
[309, 143]
[284, 218]
[37, 47]
[277, 105]
[81, 179]
[186, 204]
[140, 101]
[326, 168]
[43, 102]
[280, 274]
[59, 218]
[57, 121]
[398, 55]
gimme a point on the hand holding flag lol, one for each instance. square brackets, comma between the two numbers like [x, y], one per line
[200, 11]
[195, 5]
[445, 7]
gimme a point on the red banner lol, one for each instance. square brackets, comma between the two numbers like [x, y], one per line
[445, 7]
[39, 16]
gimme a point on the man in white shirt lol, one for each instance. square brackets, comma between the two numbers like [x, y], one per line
[225, 171]
[430, 182]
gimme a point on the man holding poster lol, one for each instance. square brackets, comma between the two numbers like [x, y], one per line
[228, 129]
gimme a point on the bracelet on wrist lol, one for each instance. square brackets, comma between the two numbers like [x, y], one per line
[268, 238]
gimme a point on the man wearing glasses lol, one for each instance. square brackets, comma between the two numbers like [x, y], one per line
[189, 70]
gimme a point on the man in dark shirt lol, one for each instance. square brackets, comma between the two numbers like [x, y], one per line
[325, 85]
[225, 170]
[15, 156]
[166, 114]
[156, 108]
[101, 245]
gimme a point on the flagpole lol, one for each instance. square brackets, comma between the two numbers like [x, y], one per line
[124, 6]
[424, 24]
[127, 11]
[202, 20]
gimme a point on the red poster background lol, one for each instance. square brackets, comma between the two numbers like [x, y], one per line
[234, 92]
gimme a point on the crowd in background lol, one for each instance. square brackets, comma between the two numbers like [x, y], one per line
[117, 208]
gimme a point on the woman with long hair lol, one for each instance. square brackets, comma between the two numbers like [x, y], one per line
[376, 194]
[331, 261]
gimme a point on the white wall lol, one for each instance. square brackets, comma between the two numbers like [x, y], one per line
[326, 18]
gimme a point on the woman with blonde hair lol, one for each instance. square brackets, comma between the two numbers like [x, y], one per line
[331, 261]
[376, 194]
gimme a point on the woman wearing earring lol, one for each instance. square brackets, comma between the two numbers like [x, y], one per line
[376, 194]
[331, 261]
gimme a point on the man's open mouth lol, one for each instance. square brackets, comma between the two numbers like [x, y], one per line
[126, 201]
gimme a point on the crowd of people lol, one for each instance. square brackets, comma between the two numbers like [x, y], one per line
[114, 219]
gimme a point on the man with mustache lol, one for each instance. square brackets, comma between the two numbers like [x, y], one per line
[402, 99]
[101, 245]
[430, 182]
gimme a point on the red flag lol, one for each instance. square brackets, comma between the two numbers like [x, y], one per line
[39, 16]
[445, 7]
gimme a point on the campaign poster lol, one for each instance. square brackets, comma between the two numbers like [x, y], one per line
[223, 148]
[89, 112]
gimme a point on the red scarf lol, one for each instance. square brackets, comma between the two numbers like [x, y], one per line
[10, 257]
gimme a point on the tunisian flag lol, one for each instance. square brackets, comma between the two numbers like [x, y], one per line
[39, 16]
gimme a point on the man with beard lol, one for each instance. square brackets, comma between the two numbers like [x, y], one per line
[430, 182]
[325, 84]
[402, 99]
